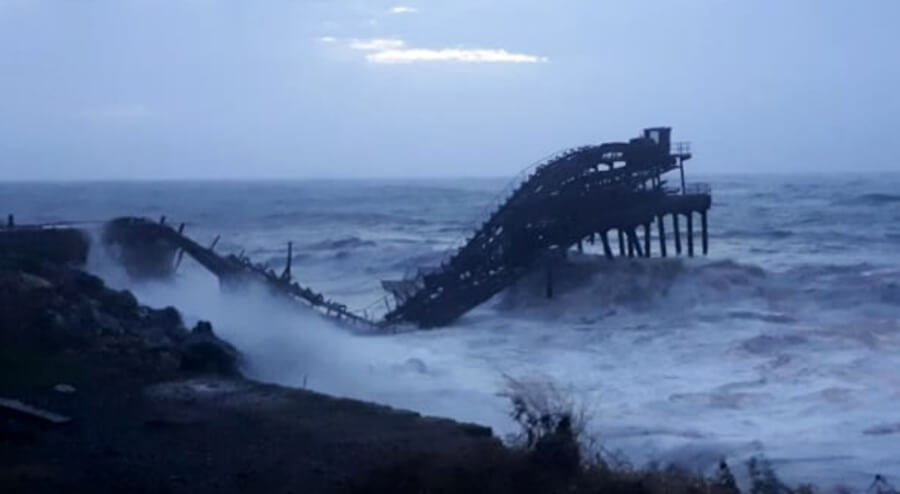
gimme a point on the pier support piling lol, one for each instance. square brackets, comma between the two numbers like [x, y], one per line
[634, 244]
[286, 275]
[646, 239]
[10, 221]
[662, 235]
[607, 250]
[703, 227]
[180, 255]
[677, 233]
[621, 242]
[690, 233]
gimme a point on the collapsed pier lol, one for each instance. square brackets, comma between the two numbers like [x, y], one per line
[580, 195]
[149, 249]
[614, 194]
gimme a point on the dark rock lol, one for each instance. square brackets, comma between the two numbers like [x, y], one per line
[165, 318]
[106, 324]
[203, 352]
[120, 302]
[59, 307]
[203, 328]
[84, 283]
[30, 282]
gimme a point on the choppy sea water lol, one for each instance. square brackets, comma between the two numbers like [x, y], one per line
[784, 341]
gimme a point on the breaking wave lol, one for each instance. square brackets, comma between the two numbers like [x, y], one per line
[351, 242]
[591, 284]
[589, 288]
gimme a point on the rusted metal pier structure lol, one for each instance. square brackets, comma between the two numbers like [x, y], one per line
[614, 194]
[579, 195]
[149, 249]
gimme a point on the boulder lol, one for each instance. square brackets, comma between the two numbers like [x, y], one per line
[120, 303]
[30, 282]
[165, 318]
[83, 283]
[203, 352]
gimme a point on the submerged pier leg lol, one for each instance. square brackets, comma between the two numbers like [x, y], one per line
[581, 246]
[705, 233]
[180, 256]
[646, 239]
[607, 250]
[635, 244]
[662, 235]
[677, 234]
[690, 234]
[286, 274]
[621, 243]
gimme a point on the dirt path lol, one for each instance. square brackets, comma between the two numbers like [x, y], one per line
[207, 434]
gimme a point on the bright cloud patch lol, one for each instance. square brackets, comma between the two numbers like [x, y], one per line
[393, 56]
[402, 9]
[396, 51]
[378, 44]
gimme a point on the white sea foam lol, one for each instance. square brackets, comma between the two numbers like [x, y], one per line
[678, 361]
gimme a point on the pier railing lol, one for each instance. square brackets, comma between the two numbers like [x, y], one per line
[680, 149]
[698, 188]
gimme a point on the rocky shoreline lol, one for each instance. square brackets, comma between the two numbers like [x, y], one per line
[151, 406]
[99, 393]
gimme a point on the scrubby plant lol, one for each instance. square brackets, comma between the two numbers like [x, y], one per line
[763, 479]
[550, 421]
[724, 481]
[541, 408]
[553, 452]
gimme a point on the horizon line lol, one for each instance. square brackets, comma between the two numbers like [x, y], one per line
[825, 173]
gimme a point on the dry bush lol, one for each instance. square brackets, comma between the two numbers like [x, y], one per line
[540, 408]
[554, 452]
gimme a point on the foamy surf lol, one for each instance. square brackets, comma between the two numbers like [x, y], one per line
[678, 361]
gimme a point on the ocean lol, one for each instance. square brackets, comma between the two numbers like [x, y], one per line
[783, 342]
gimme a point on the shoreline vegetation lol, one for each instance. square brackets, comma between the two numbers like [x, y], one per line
[152, 406]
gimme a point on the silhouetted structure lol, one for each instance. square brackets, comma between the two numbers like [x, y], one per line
[576, 196]
[58, 243]
[149, 249]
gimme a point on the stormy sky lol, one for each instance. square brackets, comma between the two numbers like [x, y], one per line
[209, 89]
